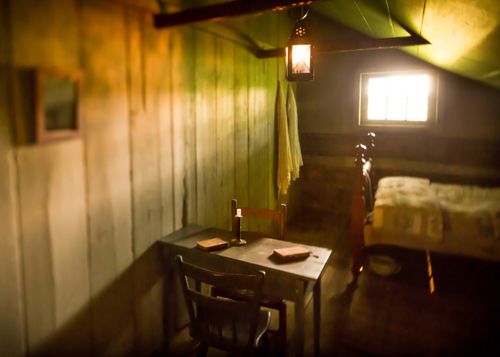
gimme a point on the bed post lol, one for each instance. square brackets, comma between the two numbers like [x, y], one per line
[370, 145]
[357, 212]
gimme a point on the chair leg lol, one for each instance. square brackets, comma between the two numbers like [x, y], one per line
[202, 350]
[265, 348]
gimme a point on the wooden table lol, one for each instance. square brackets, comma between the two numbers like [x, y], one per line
[293, 281]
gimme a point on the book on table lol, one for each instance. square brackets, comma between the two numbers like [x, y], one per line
[292, 253]
[212, 244]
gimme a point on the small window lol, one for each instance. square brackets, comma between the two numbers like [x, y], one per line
[403, 99]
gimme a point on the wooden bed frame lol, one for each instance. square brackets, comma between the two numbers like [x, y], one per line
[362, 200]
[362, 204]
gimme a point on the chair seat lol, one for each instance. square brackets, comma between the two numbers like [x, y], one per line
[226, 332]
[277, 304]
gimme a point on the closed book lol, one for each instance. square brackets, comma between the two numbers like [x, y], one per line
[292, 253]
[212, 244]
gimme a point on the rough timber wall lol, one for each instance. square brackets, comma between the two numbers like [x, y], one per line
[176, 123]
[463, 147]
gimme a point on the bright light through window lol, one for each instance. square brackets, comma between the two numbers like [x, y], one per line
[397, 98]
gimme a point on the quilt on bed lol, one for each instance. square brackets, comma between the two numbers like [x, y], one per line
[415, 213]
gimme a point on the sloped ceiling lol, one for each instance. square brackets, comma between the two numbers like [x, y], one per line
[464, 35]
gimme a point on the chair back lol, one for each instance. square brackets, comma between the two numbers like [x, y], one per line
[222, 323]
[278, 216]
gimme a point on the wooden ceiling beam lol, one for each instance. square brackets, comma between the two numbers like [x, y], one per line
[360, 45]
[227, 9]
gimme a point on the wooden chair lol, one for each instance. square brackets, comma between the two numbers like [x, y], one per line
[234, 326]
[278, 216]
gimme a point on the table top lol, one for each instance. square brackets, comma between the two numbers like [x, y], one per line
[258, 251]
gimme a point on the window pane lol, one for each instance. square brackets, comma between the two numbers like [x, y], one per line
[377, 98]
[418, 97]
[397, 98]
[396, 102]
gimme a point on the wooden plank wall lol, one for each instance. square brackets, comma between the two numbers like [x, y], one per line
[466, 133]
[176, 123]
[463, 146]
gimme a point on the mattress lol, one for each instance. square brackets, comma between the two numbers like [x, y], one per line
[415, 213]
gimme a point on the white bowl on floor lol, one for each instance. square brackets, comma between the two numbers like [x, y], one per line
[383, 265]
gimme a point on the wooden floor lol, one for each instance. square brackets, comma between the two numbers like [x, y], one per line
[390, 316]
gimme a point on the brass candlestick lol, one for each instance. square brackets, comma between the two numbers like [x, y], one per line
[238, 241]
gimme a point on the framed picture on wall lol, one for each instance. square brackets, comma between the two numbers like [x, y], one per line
[56, 99]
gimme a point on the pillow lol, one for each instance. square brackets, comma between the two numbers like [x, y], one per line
[403, 181]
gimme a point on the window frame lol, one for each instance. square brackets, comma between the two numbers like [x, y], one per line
[431, 121]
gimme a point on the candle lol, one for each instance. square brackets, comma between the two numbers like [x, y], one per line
[238, 226]
[237, 229]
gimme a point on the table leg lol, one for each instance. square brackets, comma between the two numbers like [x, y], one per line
[299, 317]
[168, 298]
[317, 315]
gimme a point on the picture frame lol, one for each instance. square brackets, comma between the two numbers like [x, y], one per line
[56, 104]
